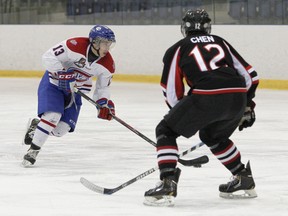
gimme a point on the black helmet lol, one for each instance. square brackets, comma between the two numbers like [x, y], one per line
[195, 21]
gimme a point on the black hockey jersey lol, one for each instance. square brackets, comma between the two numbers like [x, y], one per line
[210, 65]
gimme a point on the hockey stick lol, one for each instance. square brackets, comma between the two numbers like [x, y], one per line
[183, 162]
[102, 190]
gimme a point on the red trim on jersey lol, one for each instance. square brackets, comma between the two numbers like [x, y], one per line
[82, 73]
[78, 44]
[255, 82]
[163, 85]
[86, 85]
[248, 67]
[179, 80]
[219, 91]
[108, 62]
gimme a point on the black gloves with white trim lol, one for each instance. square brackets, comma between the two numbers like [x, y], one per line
[248, 118]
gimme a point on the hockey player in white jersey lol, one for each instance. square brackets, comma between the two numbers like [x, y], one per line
[71, 63]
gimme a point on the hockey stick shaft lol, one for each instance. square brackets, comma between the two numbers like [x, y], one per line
[109, 191]
[183, 162]
[116, 118]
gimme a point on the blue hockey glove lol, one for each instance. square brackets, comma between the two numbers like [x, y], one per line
[66, 81]
[105, 109]
[248, 118]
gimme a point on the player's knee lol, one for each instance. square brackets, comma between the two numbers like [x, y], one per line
[165, 135]
[212, 141]
[61, 129]
[163, 129]
[52, 117]
[205, 138]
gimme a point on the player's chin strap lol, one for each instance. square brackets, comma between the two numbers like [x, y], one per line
[183, 162]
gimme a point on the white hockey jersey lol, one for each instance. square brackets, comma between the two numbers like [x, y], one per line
[73, 53]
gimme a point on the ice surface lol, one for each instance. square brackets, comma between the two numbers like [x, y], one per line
[108, 154]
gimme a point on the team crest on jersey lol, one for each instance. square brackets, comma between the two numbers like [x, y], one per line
[80, 63]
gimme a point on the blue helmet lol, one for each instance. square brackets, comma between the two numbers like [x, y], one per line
[101, 32]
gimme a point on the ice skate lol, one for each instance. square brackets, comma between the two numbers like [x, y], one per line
[30, 158]
[241, 187]
[31, 127]
[164, 193]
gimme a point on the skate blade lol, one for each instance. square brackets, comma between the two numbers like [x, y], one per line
[167, 201]
[241, 194]
[26, 164]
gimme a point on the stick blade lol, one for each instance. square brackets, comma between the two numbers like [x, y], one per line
[92, 186]
[197, 162]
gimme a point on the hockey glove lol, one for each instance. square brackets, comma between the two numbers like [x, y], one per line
[66, 80]
[105, 109]
[248, 118]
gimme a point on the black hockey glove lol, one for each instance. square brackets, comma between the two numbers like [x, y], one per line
[248, 118]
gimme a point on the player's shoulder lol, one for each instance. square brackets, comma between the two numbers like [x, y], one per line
[108, 62]
[170, 52]
[217, 38]
[174, 47]
[78, 44]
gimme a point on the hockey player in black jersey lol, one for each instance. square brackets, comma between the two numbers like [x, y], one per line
[222, 85]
